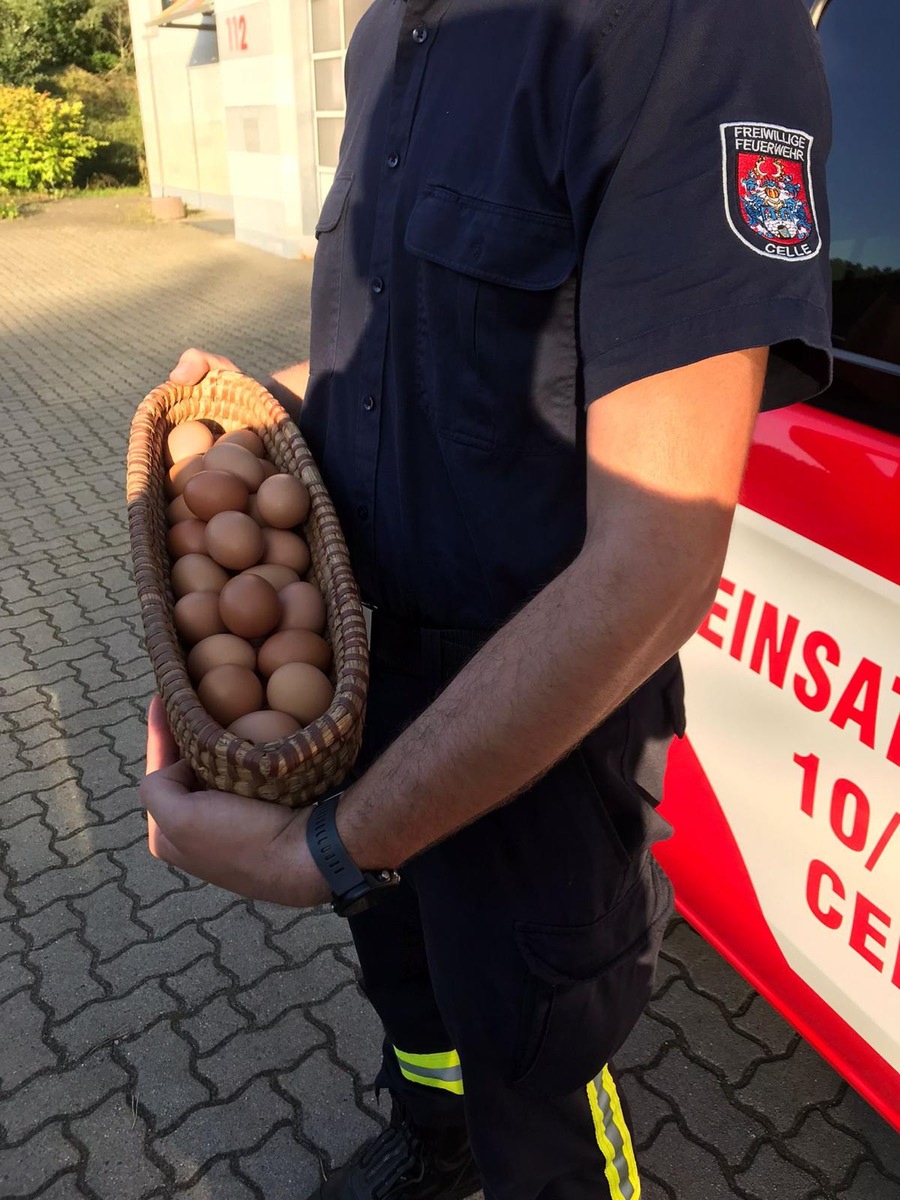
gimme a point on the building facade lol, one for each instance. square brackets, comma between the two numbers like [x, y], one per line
[243, 108]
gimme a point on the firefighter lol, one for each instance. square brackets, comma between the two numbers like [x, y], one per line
[545, 315]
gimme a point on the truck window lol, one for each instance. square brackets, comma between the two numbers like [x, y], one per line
[859, 41]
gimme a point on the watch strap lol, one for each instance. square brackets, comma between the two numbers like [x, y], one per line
[352, 890]
[341, 872]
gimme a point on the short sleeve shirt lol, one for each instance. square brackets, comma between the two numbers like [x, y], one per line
[538, 202]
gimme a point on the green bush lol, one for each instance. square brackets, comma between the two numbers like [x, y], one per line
[113, 118]
[42, 139]
[8, 206]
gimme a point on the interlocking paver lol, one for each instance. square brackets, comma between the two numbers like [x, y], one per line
[282, 1168]
[305, 984]
[116, 1133]
[178, 908]
[198, 982]
[713, 1040]
[67, 1092]
[329, 1116]
[275, 1047]
[770, 1175]
[781, 1087]
[65, 980]
[120, 1074]
[115, 1016]
[211, 1025]
[870, 1184]
[692, 1172]
[219, 1183]
[357, 1031]
[238, 1124]
[153, 958]
[28, 850]
[645, 1108]
[27, 1168]
[704, 1105]
[166, 1085]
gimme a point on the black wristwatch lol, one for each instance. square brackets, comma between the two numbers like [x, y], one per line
[352, 890]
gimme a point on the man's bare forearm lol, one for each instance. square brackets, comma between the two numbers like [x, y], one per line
[556, 670]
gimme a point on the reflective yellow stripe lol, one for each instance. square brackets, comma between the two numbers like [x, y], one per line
[440, 1070]
[612, 1174]
[443, 1060]
[448, 1085]
[609, 1086]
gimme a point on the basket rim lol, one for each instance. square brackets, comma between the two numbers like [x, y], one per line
[210, 746]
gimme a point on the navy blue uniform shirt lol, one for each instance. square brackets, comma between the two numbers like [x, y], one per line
[538, 202]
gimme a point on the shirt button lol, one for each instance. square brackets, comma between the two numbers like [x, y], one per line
[393, 160]
[362, 512]
[377, 285]
[419, 34]
[369, 403]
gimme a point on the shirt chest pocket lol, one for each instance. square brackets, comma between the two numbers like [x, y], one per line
[496, 357]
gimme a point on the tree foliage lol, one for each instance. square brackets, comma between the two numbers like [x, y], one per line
[42, 140]
[39, 38]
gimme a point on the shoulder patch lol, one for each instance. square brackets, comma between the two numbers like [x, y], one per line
[768, 191]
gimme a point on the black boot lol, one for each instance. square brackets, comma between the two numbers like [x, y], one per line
[407, 1162]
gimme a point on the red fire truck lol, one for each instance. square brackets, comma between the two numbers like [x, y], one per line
[785, 794]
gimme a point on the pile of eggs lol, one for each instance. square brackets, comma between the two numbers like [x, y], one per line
[250, 624]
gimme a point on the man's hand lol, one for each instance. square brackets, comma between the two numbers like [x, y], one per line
[195, 365]
[247, 846]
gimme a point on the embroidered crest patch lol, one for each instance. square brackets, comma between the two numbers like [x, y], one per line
[768, 190]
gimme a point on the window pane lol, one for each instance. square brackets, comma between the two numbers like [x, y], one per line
[329, 84]
[330, 131]
[859, 41]
[326, 25]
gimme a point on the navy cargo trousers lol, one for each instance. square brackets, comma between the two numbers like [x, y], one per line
[515, 957]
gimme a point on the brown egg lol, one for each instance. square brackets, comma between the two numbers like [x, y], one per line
[219, 650]
[191, 437]
[301, 690]
[197, 616]
[187, 537]
[302, 607]
[283, 501]
[293, 645]
[179, 511]
[178, 475]
[234, 540]
[229, 692]
[249, 606]
[286, 548]
[253, 510]
[277, 575]
[197, 573]
[246, 439]
[269, 467]
[264, 726]
[213, 492]
[237, 461]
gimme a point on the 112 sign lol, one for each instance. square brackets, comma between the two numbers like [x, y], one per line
[237, 34]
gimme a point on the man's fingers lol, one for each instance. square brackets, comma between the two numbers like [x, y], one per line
[166, 793]
[195, 364]
[162, 749]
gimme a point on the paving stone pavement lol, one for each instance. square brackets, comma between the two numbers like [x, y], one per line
[163, 1038]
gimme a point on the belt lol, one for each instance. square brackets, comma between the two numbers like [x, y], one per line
[435, 655]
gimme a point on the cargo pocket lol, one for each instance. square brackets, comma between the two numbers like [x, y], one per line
[587, 986]
[326, 280]
[495, 321]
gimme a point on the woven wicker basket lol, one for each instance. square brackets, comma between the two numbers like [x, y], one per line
[297, 769]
